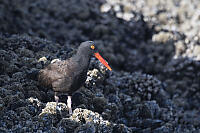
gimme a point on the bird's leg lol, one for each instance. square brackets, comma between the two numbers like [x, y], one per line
[69, 104]
[56, 99]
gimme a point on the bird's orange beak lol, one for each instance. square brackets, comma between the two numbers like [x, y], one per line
[98, 56]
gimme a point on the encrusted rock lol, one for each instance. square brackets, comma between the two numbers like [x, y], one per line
[85, 116]
[150, 110]
[87, 128]
[67, 125]
[50, 108]
[162, 37]
[99, 104]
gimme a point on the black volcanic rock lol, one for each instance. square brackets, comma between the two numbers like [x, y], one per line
[152, 46]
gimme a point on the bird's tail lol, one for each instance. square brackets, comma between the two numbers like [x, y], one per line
[32, 74]
[44, 79]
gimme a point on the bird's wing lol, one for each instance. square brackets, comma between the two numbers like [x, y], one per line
[50, 74]
[58, 75]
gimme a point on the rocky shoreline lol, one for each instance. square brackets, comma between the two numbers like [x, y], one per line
[153, 48]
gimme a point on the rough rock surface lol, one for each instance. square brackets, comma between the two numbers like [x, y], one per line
[152, 46]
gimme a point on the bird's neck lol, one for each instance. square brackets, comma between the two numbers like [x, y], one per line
[82, 59]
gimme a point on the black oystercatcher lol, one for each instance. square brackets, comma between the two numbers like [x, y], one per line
[69, 75]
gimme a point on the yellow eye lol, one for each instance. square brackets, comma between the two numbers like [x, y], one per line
[92, 47]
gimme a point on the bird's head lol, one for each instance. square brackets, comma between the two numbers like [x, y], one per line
[90, 49]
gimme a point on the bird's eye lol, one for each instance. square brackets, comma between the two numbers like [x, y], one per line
[92, 47]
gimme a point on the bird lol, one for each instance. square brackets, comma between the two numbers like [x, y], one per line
[67, 76]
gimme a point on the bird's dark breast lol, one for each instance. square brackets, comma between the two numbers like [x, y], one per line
[78, 81]
[70, 83]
